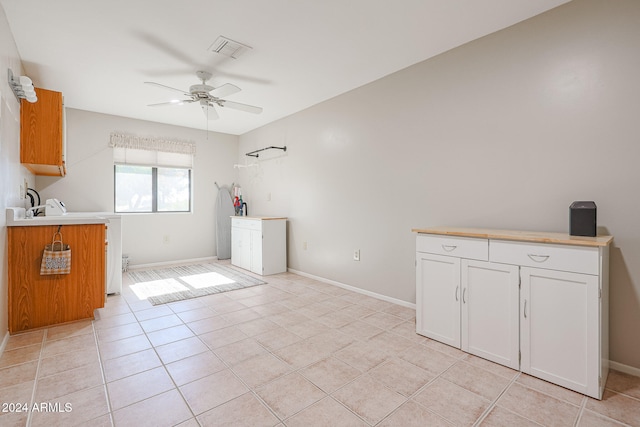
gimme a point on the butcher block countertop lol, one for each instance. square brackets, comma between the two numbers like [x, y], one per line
[261, 218]
[522, 236]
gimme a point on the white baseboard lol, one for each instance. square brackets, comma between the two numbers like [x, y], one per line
[4, 342]
[624, 368]
[170, 263]
[354, 289]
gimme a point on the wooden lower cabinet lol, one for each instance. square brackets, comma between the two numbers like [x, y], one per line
[37, 301]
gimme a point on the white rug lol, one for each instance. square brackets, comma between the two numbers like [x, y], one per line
[190, 281]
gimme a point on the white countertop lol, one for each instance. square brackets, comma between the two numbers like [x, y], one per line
[16, 218]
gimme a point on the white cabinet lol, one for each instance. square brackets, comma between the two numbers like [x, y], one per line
[241, 247]
[533, 301]
[468, 304]
[438, 298]
[560, 328]
[490, 327]
[259, 244]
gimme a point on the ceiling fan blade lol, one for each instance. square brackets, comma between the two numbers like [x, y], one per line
[174, 102]
[209, 111]
[185, 93]
[241, 107]
[225, 90]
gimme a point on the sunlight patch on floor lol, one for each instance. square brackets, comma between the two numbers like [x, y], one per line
[206, 280]
[144, 290]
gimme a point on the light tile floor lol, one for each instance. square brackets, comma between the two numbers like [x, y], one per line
[294, 352]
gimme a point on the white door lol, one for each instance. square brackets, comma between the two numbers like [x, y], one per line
[256, 251]
[438, 298]
[490, 318]
[241, 247]
[559, 328]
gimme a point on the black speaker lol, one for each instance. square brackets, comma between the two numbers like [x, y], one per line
[582, 219]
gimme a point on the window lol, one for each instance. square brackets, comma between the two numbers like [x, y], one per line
[151, 175]
[152, 189]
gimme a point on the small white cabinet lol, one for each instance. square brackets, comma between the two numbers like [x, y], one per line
[259, 244]
[537, 302]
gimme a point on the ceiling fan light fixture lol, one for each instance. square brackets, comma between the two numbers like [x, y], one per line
[227, 47]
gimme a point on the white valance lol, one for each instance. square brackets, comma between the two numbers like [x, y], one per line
[150, 151]
[151, 144]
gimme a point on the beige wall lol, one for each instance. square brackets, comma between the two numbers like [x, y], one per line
[12, 173]
[503, 132]
[88, 185]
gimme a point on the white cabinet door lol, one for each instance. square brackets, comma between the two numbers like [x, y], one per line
[560, 328]
[438, 298]
[490, 318]
[256, 251]
[241, 247]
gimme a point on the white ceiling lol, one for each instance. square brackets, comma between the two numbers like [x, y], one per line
[99, 52]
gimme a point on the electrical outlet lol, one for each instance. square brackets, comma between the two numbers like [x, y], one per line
[269, 198]
[356, 255]
[165, 239]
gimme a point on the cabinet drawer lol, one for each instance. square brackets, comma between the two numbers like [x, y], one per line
[553, 257]
[251, 224]
[461, 247]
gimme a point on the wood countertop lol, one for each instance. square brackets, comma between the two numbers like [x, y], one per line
[261, 218]
[523, 236]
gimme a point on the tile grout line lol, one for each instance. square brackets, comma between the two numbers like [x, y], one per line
[583, 404]
[35, 381]
[424, 387]
[104, 378]
[209, 349]
[229, 367]
[495, 401]
[296, 370]
[144, 332]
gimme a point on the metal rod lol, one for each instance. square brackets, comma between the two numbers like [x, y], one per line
[255, 153]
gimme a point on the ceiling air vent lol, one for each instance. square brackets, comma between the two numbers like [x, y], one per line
[228, 47]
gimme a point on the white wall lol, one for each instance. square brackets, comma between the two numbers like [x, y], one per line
[12, 173]
[88, 185]
[504, 132]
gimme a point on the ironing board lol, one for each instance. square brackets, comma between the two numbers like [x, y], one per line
[224, 212]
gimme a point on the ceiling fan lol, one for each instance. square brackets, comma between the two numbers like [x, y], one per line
[207, 96]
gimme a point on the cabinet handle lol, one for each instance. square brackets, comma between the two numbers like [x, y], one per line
[538, 258]
[525, 309]
[457, 294]
[464, 292]
[449, 248]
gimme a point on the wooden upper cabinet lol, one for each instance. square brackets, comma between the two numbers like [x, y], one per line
[42, 145]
